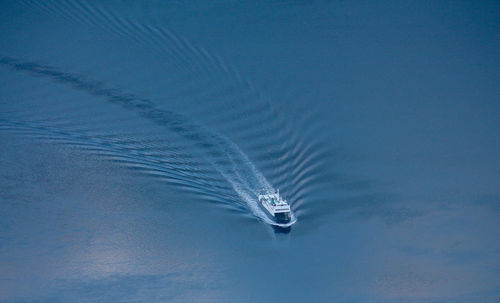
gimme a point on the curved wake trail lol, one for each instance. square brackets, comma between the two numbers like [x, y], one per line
[195, 85]
[223, 154]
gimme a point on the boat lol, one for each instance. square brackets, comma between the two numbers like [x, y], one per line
[276, 207]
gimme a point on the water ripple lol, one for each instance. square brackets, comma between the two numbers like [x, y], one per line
[212, 112]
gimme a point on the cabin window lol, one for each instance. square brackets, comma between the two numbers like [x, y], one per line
[283, 217]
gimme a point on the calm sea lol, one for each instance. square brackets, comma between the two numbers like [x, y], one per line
[135, 137]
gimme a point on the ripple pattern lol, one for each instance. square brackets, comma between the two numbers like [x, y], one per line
[224, 139]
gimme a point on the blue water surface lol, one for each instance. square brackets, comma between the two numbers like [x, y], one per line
[136, 136]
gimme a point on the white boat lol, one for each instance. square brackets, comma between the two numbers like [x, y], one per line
[277, 207]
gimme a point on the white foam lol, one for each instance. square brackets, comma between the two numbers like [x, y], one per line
[248, 193]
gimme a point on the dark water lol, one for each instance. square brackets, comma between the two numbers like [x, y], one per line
[135, 138]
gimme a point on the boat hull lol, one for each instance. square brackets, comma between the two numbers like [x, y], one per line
[277, 218]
